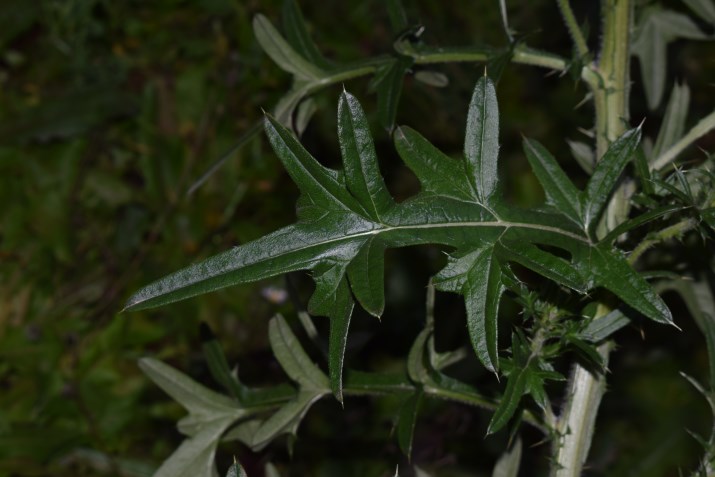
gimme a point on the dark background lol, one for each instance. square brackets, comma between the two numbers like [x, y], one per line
[110, 111]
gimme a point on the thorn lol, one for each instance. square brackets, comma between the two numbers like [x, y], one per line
[264, 111]
[485, 71]
[344, 90]
[641, 124]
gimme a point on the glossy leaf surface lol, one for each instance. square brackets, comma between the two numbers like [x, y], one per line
[347, 218]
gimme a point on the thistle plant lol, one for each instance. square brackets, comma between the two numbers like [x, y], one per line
[594, 246]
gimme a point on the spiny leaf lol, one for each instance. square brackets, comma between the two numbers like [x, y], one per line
[481, 142]
[362, 174]
[606, 174]
[346, 219]
[236, 470]
[477, 275]
[515, 388]
[614, 274]
[437, 172]
[406, 422]
[559, 189]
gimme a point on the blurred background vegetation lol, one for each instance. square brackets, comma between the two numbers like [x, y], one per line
[111, 111]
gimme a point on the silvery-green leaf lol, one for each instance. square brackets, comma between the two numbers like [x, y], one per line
[281, 52]
[270, 470]
[432, 78]
[203, 404]
[286, 419]
[195, 456]
[584, 155]
[509, 462]
[673, 124]
[705, 9]
[655, 29]
[601, 328]
[236, 470]
[293, 359]
[306, 110]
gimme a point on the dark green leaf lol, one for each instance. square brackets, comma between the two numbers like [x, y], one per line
[366, 275]
[641, 220]
[614, 273]
[481, 142]
[340, 314]
[478, 276]
[559, 189]
[389, 90]
[298, 37]
[362, 173]
[437, 172]
[406, 422]
[398, 16]
[544, 263]
[606, 174]
[515, 388]
[218, 365]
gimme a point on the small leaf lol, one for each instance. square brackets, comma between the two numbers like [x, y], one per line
[559, 189]
[432, 78]
[602, 327]
[293, 359]
[515, 388]
[509, 462]
[281, 52]
[298, 36]
[236, 470]
[305, 112]
[406, 422]
[584, 155]
[481, 142]
[606, 174]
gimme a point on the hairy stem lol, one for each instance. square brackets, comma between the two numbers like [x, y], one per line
[609, 82]
[574, 30]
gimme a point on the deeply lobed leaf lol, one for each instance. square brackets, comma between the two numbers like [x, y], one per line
[346, 220]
